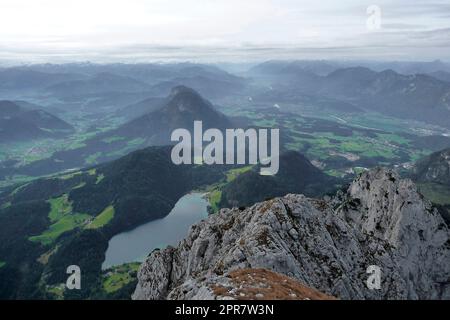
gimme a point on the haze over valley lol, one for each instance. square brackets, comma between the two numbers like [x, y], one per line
[196, 150]
[85, 153]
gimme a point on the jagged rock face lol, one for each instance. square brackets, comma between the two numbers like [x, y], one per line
[326, 245]
[391, 209]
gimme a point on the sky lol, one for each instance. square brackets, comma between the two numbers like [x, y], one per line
[223, 30]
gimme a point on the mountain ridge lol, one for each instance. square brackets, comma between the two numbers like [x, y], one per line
[417, 96]
[18, 123]
[296, 175]
[326, 245]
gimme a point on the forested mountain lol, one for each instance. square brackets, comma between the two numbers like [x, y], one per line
[21, 124]
[296, 175]
[183, 107]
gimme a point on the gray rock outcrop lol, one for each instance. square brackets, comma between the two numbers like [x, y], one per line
[327, 245]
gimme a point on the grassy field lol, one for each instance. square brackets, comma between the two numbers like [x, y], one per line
[14, 180]
[214, 192]
[113, 139]
[46, 256]
[102, 219]
[328, 137]
[24, 153]
[5, 205]
[27, 152]
[59, 207]
[56, 291]
[100, 178]
[69, 175]
[117, 277]
[66, 223]
[62, 219]
[92, 159]
[233, 173]
[111, 281]
[130, 146]
[79, 186]
[320, 145]
[214, 199]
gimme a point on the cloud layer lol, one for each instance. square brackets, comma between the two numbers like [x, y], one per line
[221, 29]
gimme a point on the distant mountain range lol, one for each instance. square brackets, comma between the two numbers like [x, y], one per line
[80, 79]
[325, 67]
[150, 73]
[419, 97]
[406, 67]
[273, 67]
[21, 78]
[21, 124]
[98, 84]
[416, 91]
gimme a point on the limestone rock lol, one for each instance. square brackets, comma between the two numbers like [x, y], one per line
[327, 245]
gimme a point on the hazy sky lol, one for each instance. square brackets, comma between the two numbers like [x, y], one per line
[139, 30]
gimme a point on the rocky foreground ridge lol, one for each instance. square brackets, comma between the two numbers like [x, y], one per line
[327, 245]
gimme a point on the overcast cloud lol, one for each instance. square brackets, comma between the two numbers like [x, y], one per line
[219, 30]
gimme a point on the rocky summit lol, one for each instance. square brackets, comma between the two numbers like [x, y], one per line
[327, 244]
